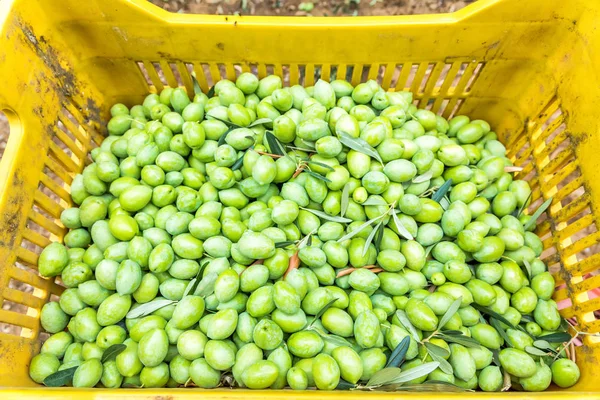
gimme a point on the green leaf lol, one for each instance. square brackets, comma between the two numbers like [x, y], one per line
[374, 201]
[358, 230]
[285, 243]
[379, 237]
[197, 89]
[320, 164]
[344, 385]
[429, 386]
[322, 311]
[274, 145]
[260, 121]
[326, 216]
[228, 123]
[445, 203]
[527, 269]
[496, 357]
[437, 350]
[557, 337]
[524, 204]
[401, 315]
[149, 308]
[492, 314]
[423, 178]
[496, 324]
[112, 352]
[437, 354]
[333, 339]
[318, 176]
[238, 164]
[211, 92]
[193, 284]
[441, 192]
[345, 199]
[533, 220]
[534, 351]
[401, 228]
[398, 355]
[450, 312]
[360, 145]
[60, 378]
[416, 372]
[206, 286]
[459, 339]
[384, 376]
[370, 238]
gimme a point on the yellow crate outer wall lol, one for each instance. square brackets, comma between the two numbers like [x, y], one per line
[532, 51]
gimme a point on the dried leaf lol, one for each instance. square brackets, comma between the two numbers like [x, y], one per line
[112, 352]
[441, 192]
[360, 145]
[384, 376]
[60, 378]
[149, 308]
[400, 227]
[423, 178]
[408, 325]
[533, 220]
[370, 238]
[450, 312]
[398, 355]
[326, 216]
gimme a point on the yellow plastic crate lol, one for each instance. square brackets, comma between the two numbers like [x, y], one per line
[531, 68]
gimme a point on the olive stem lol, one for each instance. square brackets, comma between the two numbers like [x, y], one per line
[269, 154]
[294, 264]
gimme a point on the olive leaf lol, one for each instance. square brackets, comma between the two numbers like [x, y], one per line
[228, 123]
[211, 92]
[379, 237]
[527, 269]
[333, 339]
[326, 216]
[444, 202]
[496, 357]
[534, 351]
[496, 324]
[423, 178]
[238, 164]
[197, 89]
[320, 164]
[112, 352]
[461, 339]
[557, 337]
[450, 312]
[429, 386]
[441, 192]
[359, 229]
[374, 201]
[437, 354]
[318, 176]
[206, 286]
[60, 378]
[384, 376]
[274, 144]
[544, 345]
[399, 353]
[149, 308]
[533, 220]
[370, 238]
[285, 243]
[322, 311]
[345, 200]
[193, 284]
[493, 314]
[416, 372]
[400, 227]
[260, 121]
[527, 318]
[344, 385]
[359, 145]
[401, 315]
[524, 204]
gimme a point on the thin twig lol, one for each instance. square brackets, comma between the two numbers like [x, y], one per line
[573, 355]
[350, 270]
[513, 169]
[257, 262]
[293, 264]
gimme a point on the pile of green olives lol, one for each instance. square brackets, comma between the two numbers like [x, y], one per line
[274, 237]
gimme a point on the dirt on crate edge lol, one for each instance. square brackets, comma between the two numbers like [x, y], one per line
[313, 8]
